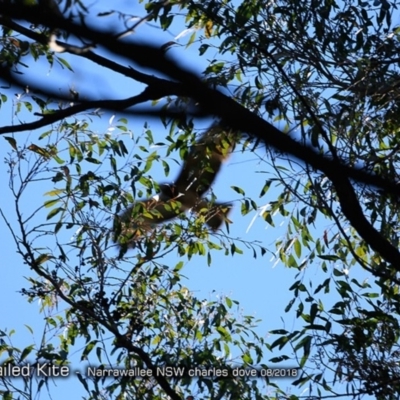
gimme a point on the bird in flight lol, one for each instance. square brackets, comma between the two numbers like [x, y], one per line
[199, 170]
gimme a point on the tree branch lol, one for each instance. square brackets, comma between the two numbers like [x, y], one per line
[238, 118]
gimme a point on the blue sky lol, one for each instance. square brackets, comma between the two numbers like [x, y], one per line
[260, 285]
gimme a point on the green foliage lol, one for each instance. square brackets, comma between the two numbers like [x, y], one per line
[145, 303]
[328, 73]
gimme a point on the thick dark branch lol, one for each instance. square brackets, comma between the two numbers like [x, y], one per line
[90, 55]
[21, 29]
[241, 119]
[143, 54]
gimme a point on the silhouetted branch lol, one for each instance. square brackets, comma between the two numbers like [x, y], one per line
[214, 102]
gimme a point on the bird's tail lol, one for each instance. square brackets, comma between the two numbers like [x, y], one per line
[215, 215]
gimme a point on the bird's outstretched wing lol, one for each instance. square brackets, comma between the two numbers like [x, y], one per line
[198, 173]
[204, 162]
[143, 216]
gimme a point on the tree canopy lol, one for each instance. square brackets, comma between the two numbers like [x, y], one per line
[310, 88]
